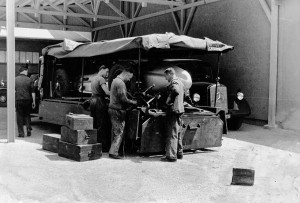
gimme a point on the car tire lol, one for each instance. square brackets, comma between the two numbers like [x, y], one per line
[235, 123]
[61, 83]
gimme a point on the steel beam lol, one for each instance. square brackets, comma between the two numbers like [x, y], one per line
[187, 6]
[10, 38]
[273, 64]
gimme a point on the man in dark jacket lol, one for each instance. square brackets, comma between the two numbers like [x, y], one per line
[25, 100]
[174, 148]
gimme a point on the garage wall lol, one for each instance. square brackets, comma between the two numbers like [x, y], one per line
[241, 23]
[288, 98]
[22, 46]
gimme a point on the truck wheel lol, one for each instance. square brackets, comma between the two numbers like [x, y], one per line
[61, 83]
[234, 123]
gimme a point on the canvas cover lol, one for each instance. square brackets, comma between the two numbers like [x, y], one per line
[71, 49]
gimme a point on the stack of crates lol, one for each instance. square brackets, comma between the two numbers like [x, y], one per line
[78, 139]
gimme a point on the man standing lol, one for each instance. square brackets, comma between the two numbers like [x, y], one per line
[99, 106]
[174, 148]
[119, 102]
[25, 100]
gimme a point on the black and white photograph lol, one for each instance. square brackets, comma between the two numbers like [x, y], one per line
[149, 101]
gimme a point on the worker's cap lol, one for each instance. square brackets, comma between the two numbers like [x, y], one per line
[170, 71]
[23, 67]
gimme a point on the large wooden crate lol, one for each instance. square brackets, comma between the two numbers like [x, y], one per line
[79, 122]
[80, 152]
[199, 131]
[78, 137]
[51, 142]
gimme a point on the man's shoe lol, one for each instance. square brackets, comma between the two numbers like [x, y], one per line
[28, 133]
[168, 159]
[21, 136]
[115, 156]
[179, 156]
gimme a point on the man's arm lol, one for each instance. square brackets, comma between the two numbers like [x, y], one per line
[123, 95]
[32, 90]
[174, 91]
[33, 100]
[105, 89]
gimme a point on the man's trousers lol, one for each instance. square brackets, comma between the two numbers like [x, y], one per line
[117, 118]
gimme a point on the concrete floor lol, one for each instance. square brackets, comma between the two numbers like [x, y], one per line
[30, 174]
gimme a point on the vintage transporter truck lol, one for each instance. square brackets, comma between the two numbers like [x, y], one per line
[66, 70]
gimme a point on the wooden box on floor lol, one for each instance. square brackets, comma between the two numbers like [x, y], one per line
[79, 122]
[51, 142]
[80, 152]
[78, 137]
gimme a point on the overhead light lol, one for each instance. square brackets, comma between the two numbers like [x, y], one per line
[144, 4]
[106, 1]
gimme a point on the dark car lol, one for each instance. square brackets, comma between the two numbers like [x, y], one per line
[3, 93]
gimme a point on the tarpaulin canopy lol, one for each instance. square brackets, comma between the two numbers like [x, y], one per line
[71, 49]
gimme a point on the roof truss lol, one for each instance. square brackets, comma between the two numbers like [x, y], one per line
[82, 15]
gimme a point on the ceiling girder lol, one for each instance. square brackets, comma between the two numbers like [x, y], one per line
[158, 2]
[49, 26]
[87, 12]
[59, 13]
[186, 6]
[266, 9]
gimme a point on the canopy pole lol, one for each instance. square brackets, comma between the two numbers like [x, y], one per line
[82, 74]
[10, 41]
[217, 79]
[139, 74]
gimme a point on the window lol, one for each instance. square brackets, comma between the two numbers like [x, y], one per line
[21, 57]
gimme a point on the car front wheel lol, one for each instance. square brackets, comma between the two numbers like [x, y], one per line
[235, 123]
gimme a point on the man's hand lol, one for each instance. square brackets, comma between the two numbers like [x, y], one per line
[33, 105]
[134, 102]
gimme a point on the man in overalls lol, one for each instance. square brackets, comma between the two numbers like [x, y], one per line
[175, 109]
[99, 107]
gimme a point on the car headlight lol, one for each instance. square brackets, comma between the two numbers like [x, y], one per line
[196, 97]
[240, 95]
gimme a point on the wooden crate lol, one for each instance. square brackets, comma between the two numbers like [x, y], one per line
[80, 152]
[78, 137]
[241, 176]
[51, 142]
[79, 122]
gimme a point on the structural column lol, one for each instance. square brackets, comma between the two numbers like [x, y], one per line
[273, 63]
[10, 43]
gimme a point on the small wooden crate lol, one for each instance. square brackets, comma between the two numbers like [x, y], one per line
[78, 137]
[242, 176]
[79, 122]
[80, 152]
[51, 142]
